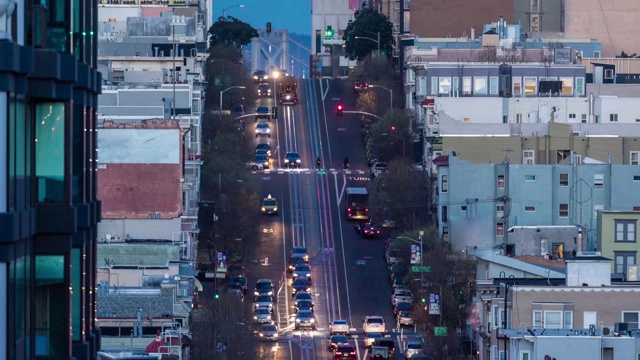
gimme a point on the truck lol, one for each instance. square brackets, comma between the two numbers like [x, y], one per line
[356, 203]
[288, 91]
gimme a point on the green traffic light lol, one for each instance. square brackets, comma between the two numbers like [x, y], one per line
[217, 296]
[424, 300]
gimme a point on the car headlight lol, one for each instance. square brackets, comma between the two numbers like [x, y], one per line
[308, 275]
[295, 275]
[286, 161]
[266, 76]
[261, 334]
[291, 267]
[288, 97]
[255, 318]
[263, 209]
[308, 289]
[255, 77]
[306, 258]
[268, 131]
[270, 293]
[275, 208]
[298, 160]
[312, 320]
[256, 293]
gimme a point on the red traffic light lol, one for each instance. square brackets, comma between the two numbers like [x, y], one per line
[393, 128]
[339, 107]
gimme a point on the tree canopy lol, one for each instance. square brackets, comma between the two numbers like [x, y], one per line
[231, 31]
[367, 23]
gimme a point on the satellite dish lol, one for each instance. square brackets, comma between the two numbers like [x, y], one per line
[108, 236]
[166, 276]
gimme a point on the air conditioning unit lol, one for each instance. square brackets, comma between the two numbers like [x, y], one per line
[606, 331]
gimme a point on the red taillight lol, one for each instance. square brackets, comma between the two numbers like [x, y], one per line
[366, 210]
[353, 353]
[348, 209]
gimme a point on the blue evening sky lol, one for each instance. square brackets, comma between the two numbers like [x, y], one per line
[293, 15]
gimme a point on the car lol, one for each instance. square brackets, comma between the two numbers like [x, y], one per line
[263, 128]
[345, 352]
[300, 284]
[264, 301]
[264, 146]
[420, 357]
[292, 160]
[393, 255]
[256, 165]
[303, 305]
[359, 86]
[369, 338]
[235, 288]
[281, 72]
[337, 340]
[261, 162]
[379, 353]
[302, 296]
[305, 320]
[264, 152]
[401, 295]
[263, 286]
[405, 318]
[260, 76]
[262, 112]
[262, 315]
[302, 270]
[412, 348]
[235, 270]
[264, 89]
[370, 230]
[293, 261]
[388, 343]
[268, 332]
[378, 168]
[269, 206]
[300, 251]
[401, 307]
[373, 323]
[397, 270]
[339, 327]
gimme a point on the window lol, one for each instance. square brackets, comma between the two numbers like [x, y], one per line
[422, 86]
[568, 319]
[578, 159]
[631, 318]
[411, 76]
[444, 213]
[636, 177]
[50, 152]
[499, 209]
[529, 178]
[625, 230]
[634, 158]
[636, 208]
[444, 85]
[500, 181]
[525, 355]
[517, 85]
[530, 86]
[613, 117]
[51, 308]
[572, 116]
[608, 74]
[596, 54]
[622, 260]
[519, 118]
[552, 319]
[500, 315]
[444, 186]
[528, 157]
[456, 86]
[564, 180]
[480, 85]
[598, 180]
[558, 250]
[583, 118]
[500, 229]
[567, 86]
[530, 208]
[563, 210]
[466, 85]
[580, 86]
[493, 85]
[434, 85]
[463, 208]
[537, 318]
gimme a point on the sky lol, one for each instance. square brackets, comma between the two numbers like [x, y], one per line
[293, 15]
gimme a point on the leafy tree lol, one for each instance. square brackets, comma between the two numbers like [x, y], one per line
[389, 136]
[367, 23]
[232, 32]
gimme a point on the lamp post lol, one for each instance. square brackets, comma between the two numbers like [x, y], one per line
[224, 11]
[397, 137]
[389, 90]
[372, 39]
[225, 90]
[275, 75]
[419, 241]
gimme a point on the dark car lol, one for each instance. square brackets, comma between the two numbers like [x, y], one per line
[358, 86]
[263, 286]
[303, 305]
[345, 352]
[239, 281]
[260, 76]
[370, 230]
[292, 160]
[401, 307]
[239, 110]
[264, 146]
[397, 270]
[301, 284]
[264, 89]
[388, 343]
[235, 270]
[263, 112]
[293, 261]
[337, 340]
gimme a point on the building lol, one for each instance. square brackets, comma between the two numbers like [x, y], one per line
[479, 210]
[49, 208]
[618, 239]
[329, 19]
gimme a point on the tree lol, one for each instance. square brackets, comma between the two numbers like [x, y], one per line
[390, 135]
[367, 23]
[232, 32]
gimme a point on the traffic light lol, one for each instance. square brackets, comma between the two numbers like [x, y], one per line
[329, 32]
[393, 128]
[424, 300]
[274, 112]
[269, 28]
[216, 296]
[339, 109]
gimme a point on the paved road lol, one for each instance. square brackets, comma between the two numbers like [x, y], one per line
[349, 274]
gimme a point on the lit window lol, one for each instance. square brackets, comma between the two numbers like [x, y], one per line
[530, 86]
[466, 85]
[567, 86]
[517, 85]
[500, 229]
[444, 85]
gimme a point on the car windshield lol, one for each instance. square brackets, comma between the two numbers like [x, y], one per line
[303, 296]
[305, 314]
[302, 267]
[340, 322]
[264, 298]
[264, 86]
[304, 304]
[260, 158]
[405, 314]
[268, 327]
[403, 306]
[403, 293]
[263, 146]
[269, 202]
[262, 311]
[262, 125]
[414, 346]
[263, 286]
[339, 338]
[301, 281]
[292, 156]
[374, 335]
[299, 250]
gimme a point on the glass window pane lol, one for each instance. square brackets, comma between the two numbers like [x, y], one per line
[631, 232]
[444, 86]
[493, 85]
[76, 285]
[78, 153]
[517, 85]
[530, 86]
[553, 319]
[480, 85]
[50, 157]
[434, 85]
[567, 86]
[50, 305]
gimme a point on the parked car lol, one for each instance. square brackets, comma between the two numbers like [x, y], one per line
[339, 327]
[405, 318]
[378, 168]
[412, 348]
[401, 295]
[373, 323]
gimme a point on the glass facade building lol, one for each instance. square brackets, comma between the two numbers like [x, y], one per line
[49, 86]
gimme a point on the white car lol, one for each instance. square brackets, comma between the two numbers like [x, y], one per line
[401, 295]
[339, 327]
[369, 338]
[269, 332]
[378, 168]
[405, 318]
[264, 301]
[373, 323]
[263, 128]
[412, 348]
[262, 315]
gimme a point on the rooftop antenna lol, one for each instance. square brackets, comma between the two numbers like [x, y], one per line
[506, 156]
[548, 281]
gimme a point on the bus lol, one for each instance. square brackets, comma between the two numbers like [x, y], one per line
[356, 203]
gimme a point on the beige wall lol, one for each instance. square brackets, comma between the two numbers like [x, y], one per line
[613, 23]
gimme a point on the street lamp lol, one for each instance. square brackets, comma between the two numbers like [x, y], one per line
[224, 11]
[275, 75]
[389, 90]
[223, 91]
[397, 137]
[368, 38]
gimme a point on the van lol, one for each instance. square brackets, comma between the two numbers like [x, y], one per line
[393, 256]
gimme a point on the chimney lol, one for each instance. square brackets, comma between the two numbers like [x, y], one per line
[473, 33]
[501, 27]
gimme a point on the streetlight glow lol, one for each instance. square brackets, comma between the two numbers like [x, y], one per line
[224, 11]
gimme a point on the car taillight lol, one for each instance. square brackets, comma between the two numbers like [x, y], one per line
[366, 210]
[348, 209]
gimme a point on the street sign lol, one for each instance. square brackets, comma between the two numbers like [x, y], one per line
[440, 331]
[421, 268]
[415, 255]
[434, 309]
